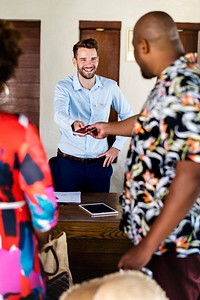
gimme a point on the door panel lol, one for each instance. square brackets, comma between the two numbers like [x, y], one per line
[107, 35]
[189, 36]
[189, 40]
[109, 46]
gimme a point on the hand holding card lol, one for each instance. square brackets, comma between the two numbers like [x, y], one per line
[84, 131]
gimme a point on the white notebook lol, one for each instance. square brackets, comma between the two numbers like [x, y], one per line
[68, 197]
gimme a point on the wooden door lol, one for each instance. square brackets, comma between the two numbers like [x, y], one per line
[107, 35]
[189, 33]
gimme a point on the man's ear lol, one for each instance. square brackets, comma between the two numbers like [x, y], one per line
[74, 61]
[144, 46]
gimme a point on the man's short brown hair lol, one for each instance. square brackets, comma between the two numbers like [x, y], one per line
[86, 43]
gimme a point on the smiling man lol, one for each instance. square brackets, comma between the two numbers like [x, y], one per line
[83, 163]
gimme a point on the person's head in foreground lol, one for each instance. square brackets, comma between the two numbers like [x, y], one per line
[9, 52]
[156, 43]
[126, 285]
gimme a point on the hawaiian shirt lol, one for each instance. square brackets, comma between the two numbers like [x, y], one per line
[167, 131]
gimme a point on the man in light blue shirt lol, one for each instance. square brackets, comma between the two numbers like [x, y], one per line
[83, 163]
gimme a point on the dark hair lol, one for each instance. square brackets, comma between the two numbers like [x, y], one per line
[87, 43]
[9, 50]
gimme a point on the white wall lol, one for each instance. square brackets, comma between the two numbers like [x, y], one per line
[59, 32]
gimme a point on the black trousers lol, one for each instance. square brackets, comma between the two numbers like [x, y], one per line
[72, 175]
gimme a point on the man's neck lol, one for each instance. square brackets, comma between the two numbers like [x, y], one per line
[164, 61]
[87, 83]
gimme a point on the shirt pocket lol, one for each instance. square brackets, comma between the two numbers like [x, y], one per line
[100, 111]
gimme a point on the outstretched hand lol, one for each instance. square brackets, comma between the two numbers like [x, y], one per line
[100, 130]
[120, 128]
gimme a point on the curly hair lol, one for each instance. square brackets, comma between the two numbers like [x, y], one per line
[9, 50]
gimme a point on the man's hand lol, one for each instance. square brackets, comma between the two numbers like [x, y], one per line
[121, 128]
[77, 125]
[100, 130]
[136, 258]
[110, 156]
[183, 193]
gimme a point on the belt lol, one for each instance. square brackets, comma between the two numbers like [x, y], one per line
[83, 160]
[12, 205]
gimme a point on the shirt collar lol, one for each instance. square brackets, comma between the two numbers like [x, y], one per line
[183, 61]
[186, 60]
[78, 86]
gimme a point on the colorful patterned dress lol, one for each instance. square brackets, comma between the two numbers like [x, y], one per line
[167, 131]
[27, 202]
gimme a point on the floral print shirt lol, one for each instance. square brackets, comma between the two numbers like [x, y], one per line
[167, 131]
[27, 202]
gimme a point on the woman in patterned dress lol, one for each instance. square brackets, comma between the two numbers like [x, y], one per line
[28, 209]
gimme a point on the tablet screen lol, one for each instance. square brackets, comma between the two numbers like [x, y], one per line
[99, 209]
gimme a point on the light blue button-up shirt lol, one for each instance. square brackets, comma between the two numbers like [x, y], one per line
[74, 102]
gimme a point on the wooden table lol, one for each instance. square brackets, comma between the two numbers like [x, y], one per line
[94, 244]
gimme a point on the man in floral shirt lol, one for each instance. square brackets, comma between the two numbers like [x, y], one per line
[161, 200]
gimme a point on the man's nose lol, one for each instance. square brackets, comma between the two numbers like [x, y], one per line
[88, 62]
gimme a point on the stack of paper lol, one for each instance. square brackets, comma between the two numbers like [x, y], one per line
[68, 197]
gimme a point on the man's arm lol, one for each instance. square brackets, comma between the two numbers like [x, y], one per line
[121, 128]
[118, 128]
[183, 193]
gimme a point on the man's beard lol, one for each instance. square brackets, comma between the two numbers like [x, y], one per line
[145, 76]
[87, 75]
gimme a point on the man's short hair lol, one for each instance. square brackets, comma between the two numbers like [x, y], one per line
[86, 43]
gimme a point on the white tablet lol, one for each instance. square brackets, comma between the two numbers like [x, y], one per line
[98, 209]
